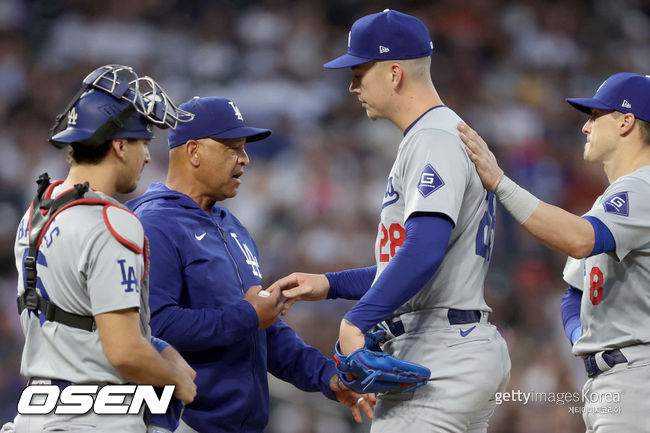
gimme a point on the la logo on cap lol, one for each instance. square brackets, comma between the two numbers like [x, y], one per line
[72, 117]
[236, 110]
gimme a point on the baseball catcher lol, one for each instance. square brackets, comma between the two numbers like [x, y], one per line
[81, 258]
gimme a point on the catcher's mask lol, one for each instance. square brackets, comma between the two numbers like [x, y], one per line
[114, 102]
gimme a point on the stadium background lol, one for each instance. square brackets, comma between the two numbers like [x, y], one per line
[312, 192]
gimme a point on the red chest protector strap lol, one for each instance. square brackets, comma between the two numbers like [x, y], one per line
[42, 212]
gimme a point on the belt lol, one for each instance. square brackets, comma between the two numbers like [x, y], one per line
[603, 361]
[61, 383]
[455, 317]
[38, 381]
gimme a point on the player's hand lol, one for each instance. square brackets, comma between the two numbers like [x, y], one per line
[486, 164]
[350, 337]
[172, 355]
[355, 402]
[267, 303]
[302, 287]
[185, 388]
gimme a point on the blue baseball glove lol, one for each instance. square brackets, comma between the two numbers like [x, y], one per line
[369, 370]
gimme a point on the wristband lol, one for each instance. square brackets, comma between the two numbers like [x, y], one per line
[159, 344]
[577, 333]
[520, 203]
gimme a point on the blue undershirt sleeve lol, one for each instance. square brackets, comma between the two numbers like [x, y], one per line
[350, 284]
[604, 241]
[571, 313]
[424, 248]
[159, 344]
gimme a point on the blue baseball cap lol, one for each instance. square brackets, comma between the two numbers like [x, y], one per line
[213, 118]
[387, 35]
[624, 92]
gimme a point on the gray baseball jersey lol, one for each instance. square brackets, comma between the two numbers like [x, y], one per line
[84, 269]
[615, 306]
[432, 173]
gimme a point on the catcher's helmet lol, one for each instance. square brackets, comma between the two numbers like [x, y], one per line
[97, 117]
[115, 103]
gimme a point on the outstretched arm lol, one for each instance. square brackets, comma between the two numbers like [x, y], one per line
[290, 359]
[553, 226]
[349, 284]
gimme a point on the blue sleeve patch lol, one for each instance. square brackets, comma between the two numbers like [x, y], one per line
[430, 181]
[617, 204]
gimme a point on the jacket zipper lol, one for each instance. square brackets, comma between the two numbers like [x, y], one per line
[225, 242]
[254, 338]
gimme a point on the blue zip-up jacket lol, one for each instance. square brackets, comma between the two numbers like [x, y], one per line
[201, 267]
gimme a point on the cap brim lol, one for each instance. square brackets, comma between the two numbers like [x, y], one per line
[250, 134]
[72, 135]
[346, 61]
[587, 104]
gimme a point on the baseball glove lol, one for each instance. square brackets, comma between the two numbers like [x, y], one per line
[369, 370]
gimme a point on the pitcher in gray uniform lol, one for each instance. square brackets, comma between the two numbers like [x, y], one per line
[433, 245]
[81, 256]
[609, 247]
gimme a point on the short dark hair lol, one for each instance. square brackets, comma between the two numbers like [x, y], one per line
[84, 154]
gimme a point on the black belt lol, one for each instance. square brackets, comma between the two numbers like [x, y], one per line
[611, 358]
[456, 317]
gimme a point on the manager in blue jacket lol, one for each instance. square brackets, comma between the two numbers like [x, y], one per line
[205, 282]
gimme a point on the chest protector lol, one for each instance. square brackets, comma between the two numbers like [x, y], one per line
[42, 212]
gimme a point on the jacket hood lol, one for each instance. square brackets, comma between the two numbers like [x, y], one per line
[158, 191]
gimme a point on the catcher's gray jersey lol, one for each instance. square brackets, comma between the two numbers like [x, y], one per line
[432, 173]
[84, 269]
[616, 293]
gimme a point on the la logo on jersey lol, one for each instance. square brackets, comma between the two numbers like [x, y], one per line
[250, 257]
[390, 196]
[618, 204]
[430, 181]
[129, 280]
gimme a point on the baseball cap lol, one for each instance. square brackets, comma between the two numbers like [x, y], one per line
[213, 118]
[387, 35]
[624, 92]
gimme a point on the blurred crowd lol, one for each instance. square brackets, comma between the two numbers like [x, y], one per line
[312, 193]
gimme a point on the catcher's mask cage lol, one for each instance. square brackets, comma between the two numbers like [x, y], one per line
[114, 102]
